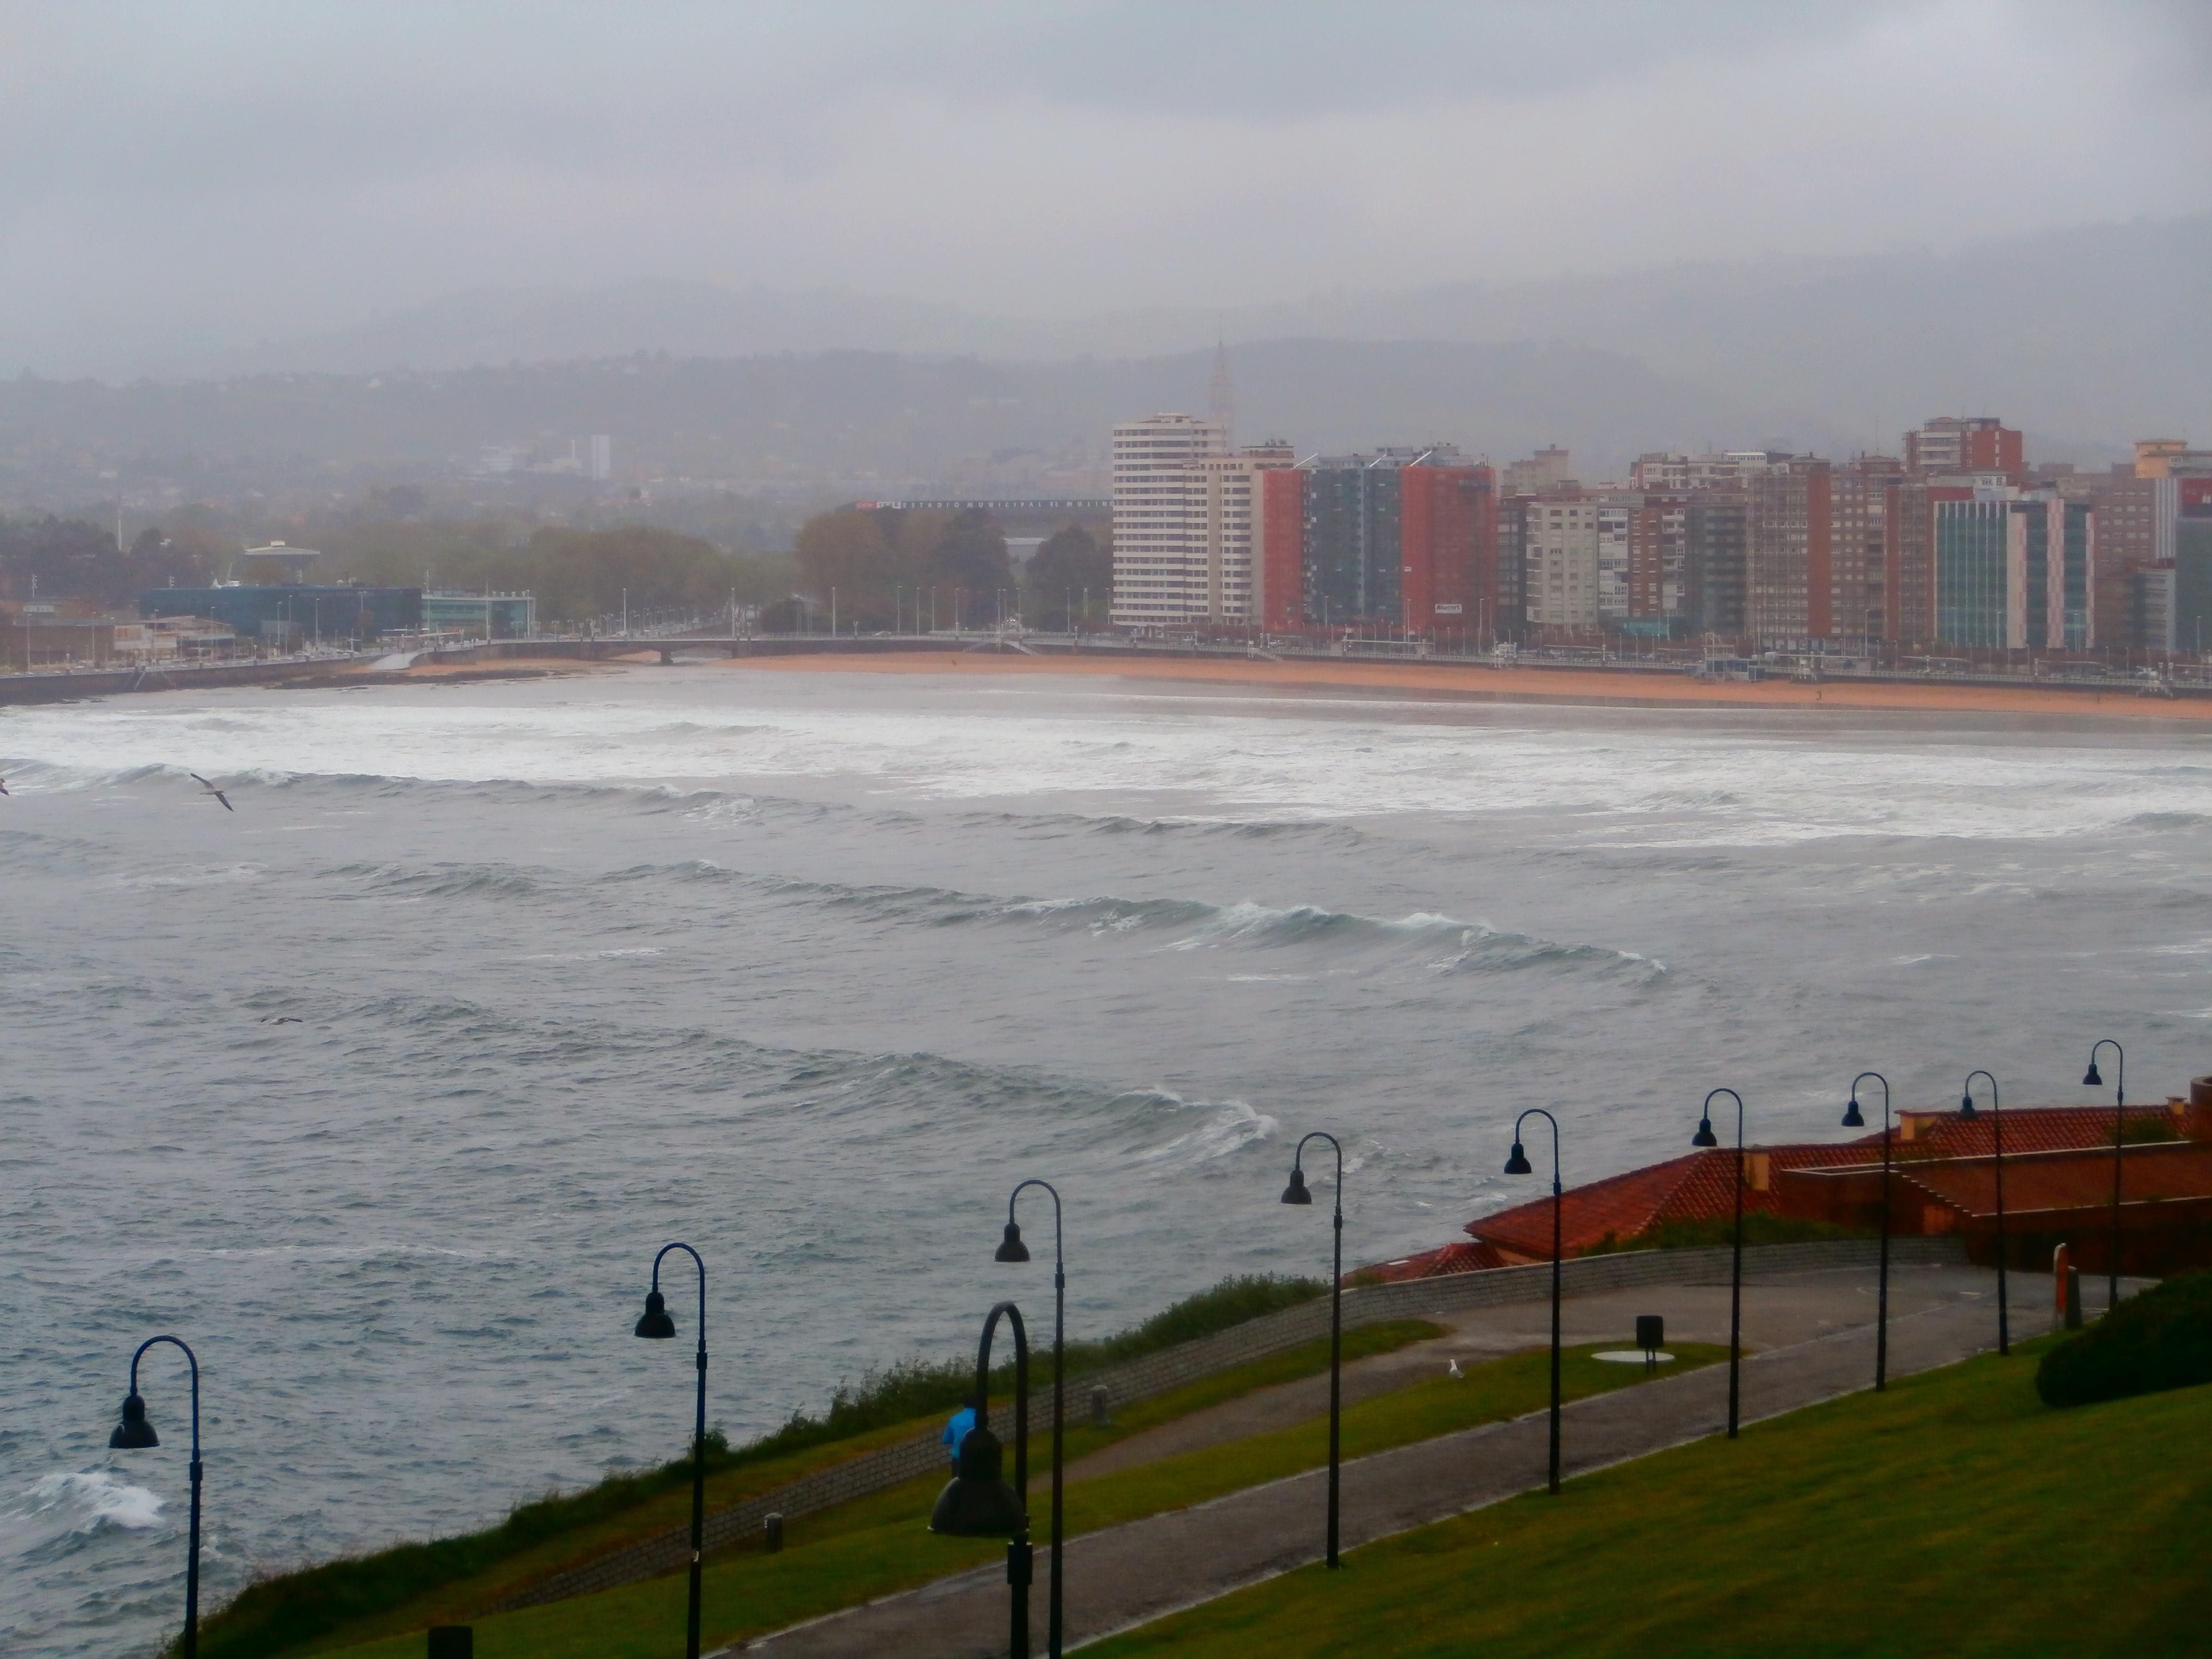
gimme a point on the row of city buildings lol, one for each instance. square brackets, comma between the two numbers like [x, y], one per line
[1956, 542]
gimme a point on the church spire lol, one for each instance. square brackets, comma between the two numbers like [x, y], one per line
[1221, 401]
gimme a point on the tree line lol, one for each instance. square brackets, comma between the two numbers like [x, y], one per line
[917, 567]
[578, 576]
[876, 567]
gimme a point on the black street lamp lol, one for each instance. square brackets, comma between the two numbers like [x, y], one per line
[1854, 1120]
[658, 1322]
[1704, 1137]
[2091, 1080]
[976, 1503]
[1518, 1164]
[1996, 1129]
[1295, 1193]
[136, 1433]
[1011, 1248]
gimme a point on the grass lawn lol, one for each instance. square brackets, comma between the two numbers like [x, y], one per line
[456, 1600]
[1955, 1515]
[880, 1544]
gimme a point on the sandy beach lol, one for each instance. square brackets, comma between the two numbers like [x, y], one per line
[1475, 683]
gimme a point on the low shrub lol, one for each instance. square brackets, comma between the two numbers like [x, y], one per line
[2159, 1340]
[1705, 1233]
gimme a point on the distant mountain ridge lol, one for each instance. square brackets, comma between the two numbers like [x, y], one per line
[2091, 336]
[892, 418]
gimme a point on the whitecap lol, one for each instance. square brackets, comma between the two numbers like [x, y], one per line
[91, 1499]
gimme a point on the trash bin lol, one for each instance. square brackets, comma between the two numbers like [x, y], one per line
[1651, 1336]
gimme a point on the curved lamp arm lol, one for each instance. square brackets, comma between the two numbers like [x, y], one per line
[1852, 1110]
[192, 1359]
[1522, 1157]
[2119, 1075]
[1706, 1116]
[1014, 1233]
[702, 1267]
[1298, 1157]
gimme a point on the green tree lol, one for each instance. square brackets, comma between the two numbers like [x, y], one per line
[1069, 564]
[971, 555]
[863, 557]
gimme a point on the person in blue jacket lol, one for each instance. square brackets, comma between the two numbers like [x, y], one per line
[957, 1430]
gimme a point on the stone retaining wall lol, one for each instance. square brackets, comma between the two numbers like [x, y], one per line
[1258, 1339]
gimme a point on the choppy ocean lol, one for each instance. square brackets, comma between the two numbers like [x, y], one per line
[809, 968]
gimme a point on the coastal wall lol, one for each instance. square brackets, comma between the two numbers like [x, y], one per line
[1258, 1339]
[106, 682]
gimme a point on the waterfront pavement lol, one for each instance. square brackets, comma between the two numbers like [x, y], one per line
[1815, 1340]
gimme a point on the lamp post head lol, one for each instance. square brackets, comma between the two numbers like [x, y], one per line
[977, 1503]
[1704, 1137]
[2092, 1079]
[1852, 1118]
[1011, 1248]
[1966, 1106]
[1295, 1193]
[1518, 1163]
[134, 1432]
[657, 1320]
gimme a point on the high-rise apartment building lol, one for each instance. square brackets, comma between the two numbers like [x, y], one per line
[1958, 444]
[1159, 579]
[1971, 542]
[1560, 547]
[1546, 471]
[1714, 469]
[1860, 494]
[1717, 539]
[1223, 507]
[1448, 546]
[2136, 516]
[1788, 575]
[2013, 572]
[2189, 610]
[1391, 537]
[1658, 563]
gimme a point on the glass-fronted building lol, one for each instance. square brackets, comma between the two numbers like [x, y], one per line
[1973, 541]
[2014, 573]
[481, 616]
[282, 612]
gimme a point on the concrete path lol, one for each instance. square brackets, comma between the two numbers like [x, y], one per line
[1777, 1312]
[1816, 1334]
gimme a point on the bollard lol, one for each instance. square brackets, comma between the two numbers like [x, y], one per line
[772, 1529]
[453, 1642]
[1651, 1336]
[1099, 1419]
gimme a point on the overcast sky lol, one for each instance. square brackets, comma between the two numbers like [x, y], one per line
[177, 176]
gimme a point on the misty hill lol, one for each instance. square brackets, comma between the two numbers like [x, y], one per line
[2089, 338]
[858, 416]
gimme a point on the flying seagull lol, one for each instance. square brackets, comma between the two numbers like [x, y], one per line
[207, 788]
[4, 785]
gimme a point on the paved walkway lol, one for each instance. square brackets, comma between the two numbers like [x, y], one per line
[1815, 1331]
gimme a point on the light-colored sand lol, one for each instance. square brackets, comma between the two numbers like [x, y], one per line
[1474, 683]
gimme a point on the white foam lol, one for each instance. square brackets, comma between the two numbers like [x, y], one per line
[1680, 785]
[90, 1500]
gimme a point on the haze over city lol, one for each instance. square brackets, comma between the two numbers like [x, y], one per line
[1457, 750]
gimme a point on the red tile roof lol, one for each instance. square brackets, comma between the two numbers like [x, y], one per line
[1430, 1264]
[2069, 1180]
[1701, 1185]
